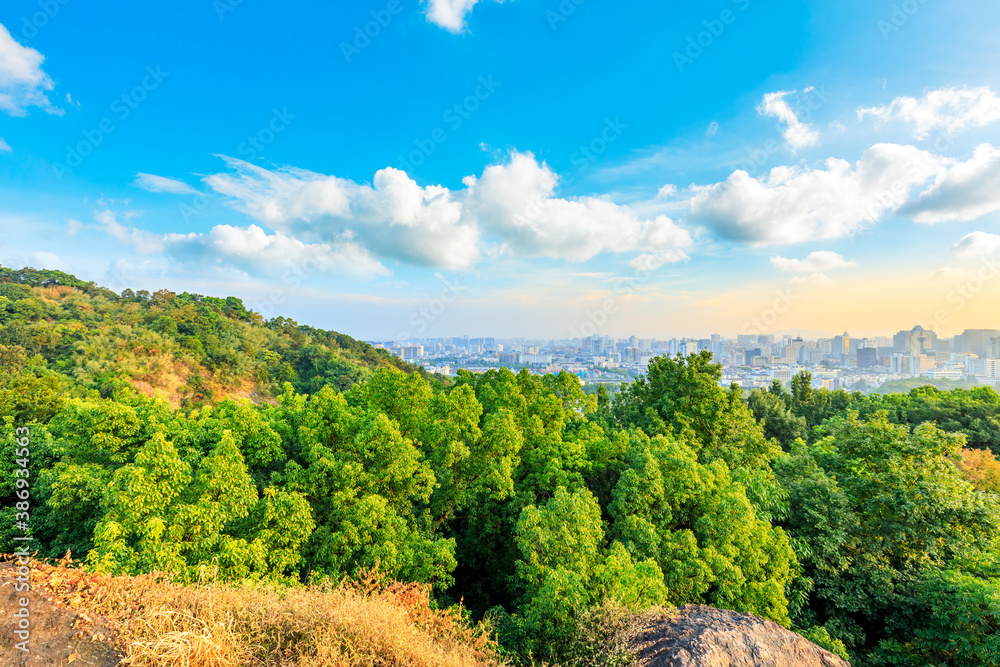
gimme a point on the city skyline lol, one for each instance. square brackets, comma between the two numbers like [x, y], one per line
[526, 168]
[750, 361]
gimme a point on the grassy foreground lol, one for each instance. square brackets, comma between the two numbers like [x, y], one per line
[368, 622]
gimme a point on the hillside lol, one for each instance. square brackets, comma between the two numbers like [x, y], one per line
[537, 513]
[187, 349]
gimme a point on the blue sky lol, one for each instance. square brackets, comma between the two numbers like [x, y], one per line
[527, 168]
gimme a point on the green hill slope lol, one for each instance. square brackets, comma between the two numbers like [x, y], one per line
[77, 337]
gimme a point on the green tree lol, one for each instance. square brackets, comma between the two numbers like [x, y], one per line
[772, 410]
[876, 509]
[697, 523]
[564, 570]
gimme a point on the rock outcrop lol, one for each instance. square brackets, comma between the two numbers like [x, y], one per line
[701, 636]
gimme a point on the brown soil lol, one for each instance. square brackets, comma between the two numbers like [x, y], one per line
[701, 636]
[59, 636]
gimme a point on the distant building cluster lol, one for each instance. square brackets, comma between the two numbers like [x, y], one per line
[752, 361]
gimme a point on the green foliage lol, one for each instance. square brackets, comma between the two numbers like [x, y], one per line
[187, 348]
[564, 571]
[870, 523]
[773, 409]
[683, 396]
[699, 526]
[876, 512]
[821, 637]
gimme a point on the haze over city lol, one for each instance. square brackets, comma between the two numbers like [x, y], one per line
[399, 170]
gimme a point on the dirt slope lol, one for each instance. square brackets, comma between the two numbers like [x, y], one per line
[59, 636]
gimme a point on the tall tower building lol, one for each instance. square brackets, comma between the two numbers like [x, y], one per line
[842, 347]
[867, 357]
[915, 341]
[981, 342]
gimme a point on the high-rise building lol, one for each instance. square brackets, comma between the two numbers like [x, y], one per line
[508, 358]
[413, 352]
[989, 368]
[926, 362]
[915, 341]
[841, 347]
[984, 343]
[793, 350]
[905, 364]
[867, 357]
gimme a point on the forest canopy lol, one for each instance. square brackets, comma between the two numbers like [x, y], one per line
[170, 433]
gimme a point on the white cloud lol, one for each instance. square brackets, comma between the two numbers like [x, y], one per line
[248, 249]
[449, 14]
[815, 262]
[949, 109]
[394, 217]
[814, 281]
[154, 183]
[4, 146]
[712, 129]
[966, 191]
[253, 249]
[797, 134]
[514, 202]
[434, 226]
[796, 204]
[977, 244]
[143, 242]
[45, 260]
[23, 84]
[668, 191]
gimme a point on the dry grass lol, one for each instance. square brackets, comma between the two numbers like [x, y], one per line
[364, 623]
